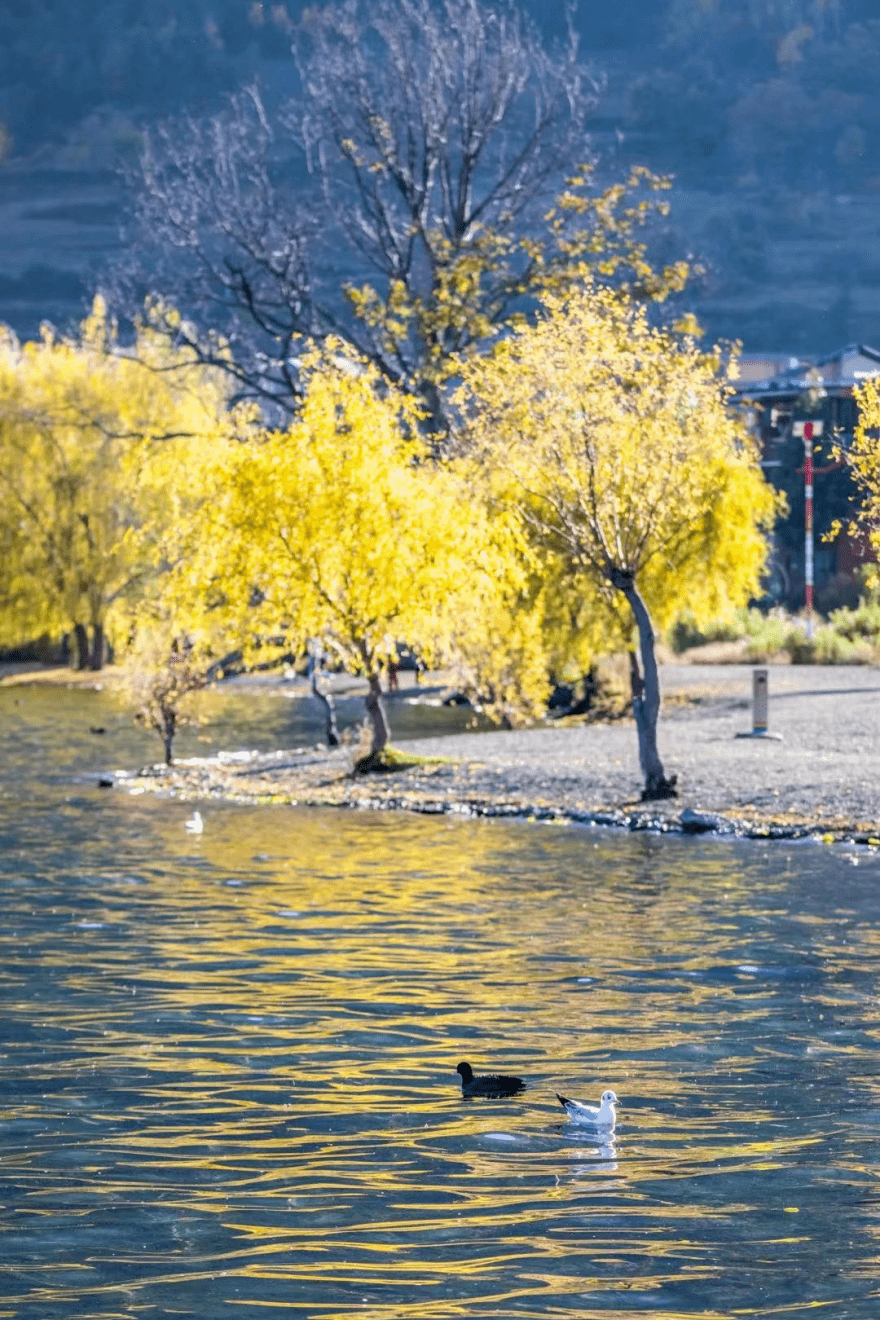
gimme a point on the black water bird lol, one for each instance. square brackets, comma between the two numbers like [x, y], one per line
[493, 1086]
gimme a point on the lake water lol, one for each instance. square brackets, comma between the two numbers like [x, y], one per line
[227, 1072]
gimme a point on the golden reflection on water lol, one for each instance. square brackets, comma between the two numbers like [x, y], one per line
[230, 1080]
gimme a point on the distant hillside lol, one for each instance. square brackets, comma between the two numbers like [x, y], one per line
[765, 111]
[60, 60]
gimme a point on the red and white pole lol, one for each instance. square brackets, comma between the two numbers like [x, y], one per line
[808, 524]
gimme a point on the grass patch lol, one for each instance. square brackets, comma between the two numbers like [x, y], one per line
[391, 759]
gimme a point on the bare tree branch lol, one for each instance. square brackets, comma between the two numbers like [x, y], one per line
[419, 131]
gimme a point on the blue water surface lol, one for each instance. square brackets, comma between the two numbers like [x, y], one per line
[227, 1071]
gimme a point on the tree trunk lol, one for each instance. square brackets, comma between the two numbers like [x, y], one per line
[374, 760]
[645, 685]
[326, 702]
[378, 719]
[81, 645]
[96, 654]
[168, 730]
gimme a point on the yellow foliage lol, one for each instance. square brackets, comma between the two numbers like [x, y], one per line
[863, 457]
[339, 527]
[615, 442]
[343, 529]
[482, 279]
[85, 426]
[498, 646]
[526, 625]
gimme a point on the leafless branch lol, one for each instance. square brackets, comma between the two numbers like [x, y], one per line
[417, 128]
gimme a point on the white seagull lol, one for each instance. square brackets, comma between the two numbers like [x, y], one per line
[603, 1117]
[195, 824]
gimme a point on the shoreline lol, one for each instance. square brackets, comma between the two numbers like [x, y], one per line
[208, 779]
[820, 780]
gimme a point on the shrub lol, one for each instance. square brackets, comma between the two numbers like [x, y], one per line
[850, 637]
[861, 623]
[687, 632]
[768, 634]
[826, 647]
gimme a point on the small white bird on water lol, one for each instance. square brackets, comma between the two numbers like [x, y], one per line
[604, 1117]
[195, 824]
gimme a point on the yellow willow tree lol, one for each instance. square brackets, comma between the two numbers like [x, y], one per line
[339, 529]
[526, 626]
[616, 445]
[497, 646]
[82, 420]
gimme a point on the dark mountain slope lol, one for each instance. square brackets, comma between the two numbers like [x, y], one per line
[765, 111]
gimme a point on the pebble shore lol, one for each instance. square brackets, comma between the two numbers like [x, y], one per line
[820, 778]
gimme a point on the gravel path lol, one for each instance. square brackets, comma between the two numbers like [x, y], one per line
[823, 776]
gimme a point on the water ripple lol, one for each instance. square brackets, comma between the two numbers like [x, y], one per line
[228, 1068]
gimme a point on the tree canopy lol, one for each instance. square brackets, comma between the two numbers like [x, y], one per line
[614, 442]
[82, 423]
[339, 530]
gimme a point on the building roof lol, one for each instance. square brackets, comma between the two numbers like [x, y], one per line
[843, 369]
[851, 364]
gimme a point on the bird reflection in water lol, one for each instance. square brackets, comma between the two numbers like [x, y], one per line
[588, 1161]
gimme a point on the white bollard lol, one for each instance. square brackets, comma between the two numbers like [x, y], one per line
[760, 694]
[759, 701]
